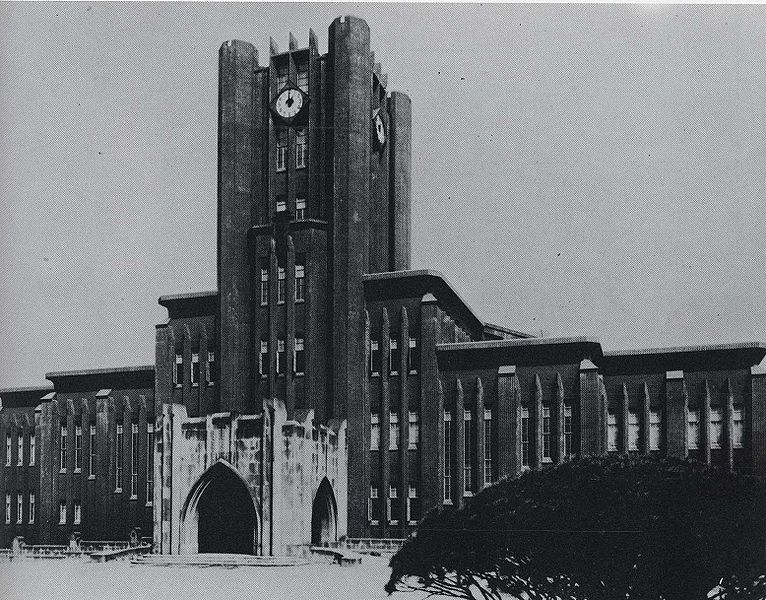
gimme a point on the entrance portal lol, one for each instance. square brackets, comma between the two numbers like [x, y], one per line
[225, 514]
[324, 524]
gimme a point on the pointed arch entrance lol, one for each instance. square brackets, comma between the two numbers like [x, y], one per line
[324, 516]
[220, 514]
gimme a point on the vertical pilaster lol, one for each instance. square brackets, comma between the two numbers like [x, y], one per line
[478, 450]
[431, 413]
[400, 186]
[558, 420]
[536, 424]
[705, 423]
[624, 411]
[728, 425]
[645, 415]
[290, 328]
[385, 418]
[508, 422]
[591, 413]
[404, 419]
[460, 433]
[676, 411]
[273, 287]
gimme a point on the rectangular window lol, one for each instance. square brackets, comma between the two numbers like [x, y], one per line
[19, 507]
[77, 513]
[300, 208]
[738, 431]
[263, 359]
[280, 285]
[301, 149]
[118, 459]
[716, 428]
[281, 149]
[414, 430]
[92, 452]
[149, 463]
[32, 449]
[62, 512]
[8, 447]
[62, 449]
[374, 358]
[195, 368]
[468, 436]
[212, 371]
[655, 429]
[394, 357]
[281, 203]
[264, 287]
[20, 448]
[693, 430]
[374, 432]
[134, 461]
[525, 437]
[413, 356]
[300, 281]
[78, 448]
[547, 457]
[178, 372]
[31, 507]
[447, 458]
[303, 77]
[281, 80]
[393, 431]
[633, 428]
[394, 505]
[280, 357]
[567, 430]
[612, 432]
[373, 506]
[488, 446]
[413, 506]
[7, 508]
[299, 356]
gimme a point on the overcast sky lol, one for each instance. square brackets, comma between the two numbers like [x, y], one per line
[576, 169]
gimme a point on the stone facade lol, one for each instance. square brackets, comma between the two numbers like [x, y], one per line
[325, 389]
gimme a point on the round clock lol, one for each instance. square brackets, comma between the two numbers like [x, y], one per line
[289, 103]
[380, 130]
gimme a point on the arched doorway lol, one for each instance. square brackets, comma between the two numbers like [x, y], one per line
[324, 524]
[220, 514]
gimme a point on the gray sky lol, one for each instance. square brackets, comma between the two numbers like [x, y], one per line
[576, 169]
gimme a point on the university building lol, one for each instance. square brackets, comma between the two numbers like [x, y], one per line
[326, 389]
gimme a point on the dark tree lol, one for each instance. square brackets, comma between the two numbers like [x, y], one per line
[639, 528]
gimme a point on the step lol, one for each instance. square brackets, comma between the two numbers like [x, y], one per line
[218, 560]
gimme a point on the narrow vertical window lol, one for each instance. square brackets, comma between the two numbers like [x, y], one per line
[133, 461]
[281, 80]
[118, 459]
[263, 359]
[7, 508]
[264, 287]
[280, 357]
[547, 457]
[488, 446]
[447, 458]
[393, 432]
[612, 432]
[92, 452]
[281, 203]
[77, 516]
[413, 356]
[63, 449]
[655, 429]
[8, 447]
[303, 77]
[524, 438]
[716, 428]
[31, 507]
[374, 358]
[280, 285]
[414, 430]
[567, 430]
[32, 448]
[20, 448]
[178, 372]
[693, 430]
[300, 281]
[62, 512]
[301, 149]
[281, 149]
[393, 505]
[299, 356]
[413, 505]
[195, 368]
[19, 507]
[373, 506]
[374, 431]
[738, 430]
[300, 209]
[212, 370]
[394, 357]
[78, 448]
[149, 463]
[467, 451]
[633, 427]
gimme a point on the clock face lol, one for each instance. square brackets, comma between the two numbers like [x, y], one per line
[289, 103]
[380, 130]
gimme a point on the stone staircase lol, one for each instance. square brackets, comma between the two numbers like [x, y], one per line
[218, 560]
